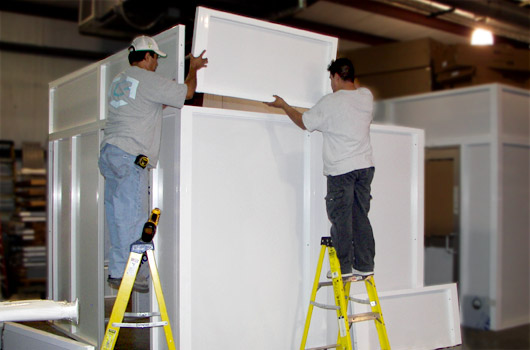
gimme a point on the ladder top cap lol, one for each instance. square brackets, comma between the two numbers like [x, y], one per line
[326, 241]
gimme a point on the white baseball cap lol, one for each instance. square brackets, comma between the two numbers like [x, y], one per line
[145, 43]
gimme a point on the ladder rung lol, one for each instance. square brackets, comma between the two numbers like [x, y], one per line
[332, 346]
[325, 306]
[140, 325]
[325, 284]
[141, 314]
[344, 280]
[367, 316]
[355, 278]
[360, 301]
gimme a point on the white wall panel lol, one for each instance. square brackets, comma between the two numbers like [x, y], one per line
[516, 230]
[248, 216]
[255, 59]
[172, 43]
[20, 337]
[398, 228]
[88, 243]
[62, 220]
[468, 117]
[515, 111]
[166, 180]
[242, 179]
[60, 233]
[476, 242]
[416, 319]
[76, 100]
[319, 227]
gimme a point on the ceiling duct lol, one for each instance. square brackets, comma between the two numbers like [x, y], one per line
[124, 19]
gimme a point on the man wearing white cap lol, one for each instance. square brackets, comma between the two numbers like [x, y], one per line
[131, 145]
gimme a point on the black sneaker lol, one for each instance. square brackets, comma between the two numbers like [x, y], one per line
[141, 285]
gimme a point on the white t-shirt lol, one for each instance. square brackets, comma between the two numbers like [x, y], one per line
[344, 118]
[134, 121]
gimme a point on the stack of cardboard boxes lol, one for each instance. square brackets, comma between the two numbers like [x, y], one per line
[466, 65]
[423, 65]
[397, 69]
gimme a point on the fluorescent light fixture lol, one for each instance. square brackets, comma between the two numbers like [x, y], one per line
[481, 37]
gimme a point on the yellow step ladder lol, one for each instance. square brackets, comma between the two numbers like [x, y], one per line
[341, 290]
[138, 248]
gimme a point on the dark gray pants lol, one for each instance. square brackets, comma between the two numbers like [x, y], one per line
[347, 205]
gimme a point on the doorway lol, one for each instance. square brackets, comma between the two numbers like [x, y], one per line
[442, 218]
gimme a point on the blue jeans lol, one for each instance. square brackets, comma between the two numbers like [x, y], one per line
[347, 205]
[126, 203]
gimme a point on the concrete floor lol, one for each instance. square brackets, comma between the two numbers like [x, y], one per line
[517, 338]
[510, 339]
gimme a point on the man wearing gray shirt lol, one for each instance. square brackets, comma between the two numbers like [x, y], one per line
[131, 145]
[344, 118]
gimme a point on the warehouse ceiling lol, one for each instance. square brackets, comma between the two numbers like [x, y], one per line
[357, 23]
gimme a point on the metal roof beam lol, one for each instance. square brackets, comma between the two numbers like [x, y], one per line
[341, 33]
[404, 15]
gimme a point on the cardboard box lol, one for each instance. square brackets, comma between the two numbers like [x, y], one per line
[399, 83]
[480, 74]
[499, 57]
[405, 55]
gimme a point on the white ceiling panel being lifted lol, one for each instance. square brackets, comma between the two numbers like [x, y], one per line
[255, 59]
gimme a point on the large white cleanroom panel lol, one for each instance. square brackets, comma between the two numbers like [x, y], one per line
[469, 118]
[476, 244]
[87, 283]
[254, 59]
[244, 194]
[74, 100]
[416, 319]
[241, 231]
[515, 110]
[513, 253]
[61, 219]
[166, 179]
[20, 337]
[396, 211]
[60, 236]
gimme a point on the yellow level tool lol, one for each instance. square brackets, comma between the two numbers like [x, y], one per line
[138, 248]
[341, 290]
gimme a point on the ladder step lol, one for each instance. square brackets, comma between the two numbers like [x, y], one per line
[141, 314]
[367, 316]
[332, 346]
[325, 306]
[140, 325]
[345, 280]
[360, 301]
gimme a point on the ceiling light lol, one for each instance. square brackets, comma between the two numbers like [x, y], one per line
[481, 37]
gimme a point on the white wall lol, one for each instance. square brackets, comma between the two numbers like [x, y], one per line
[490, 124]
